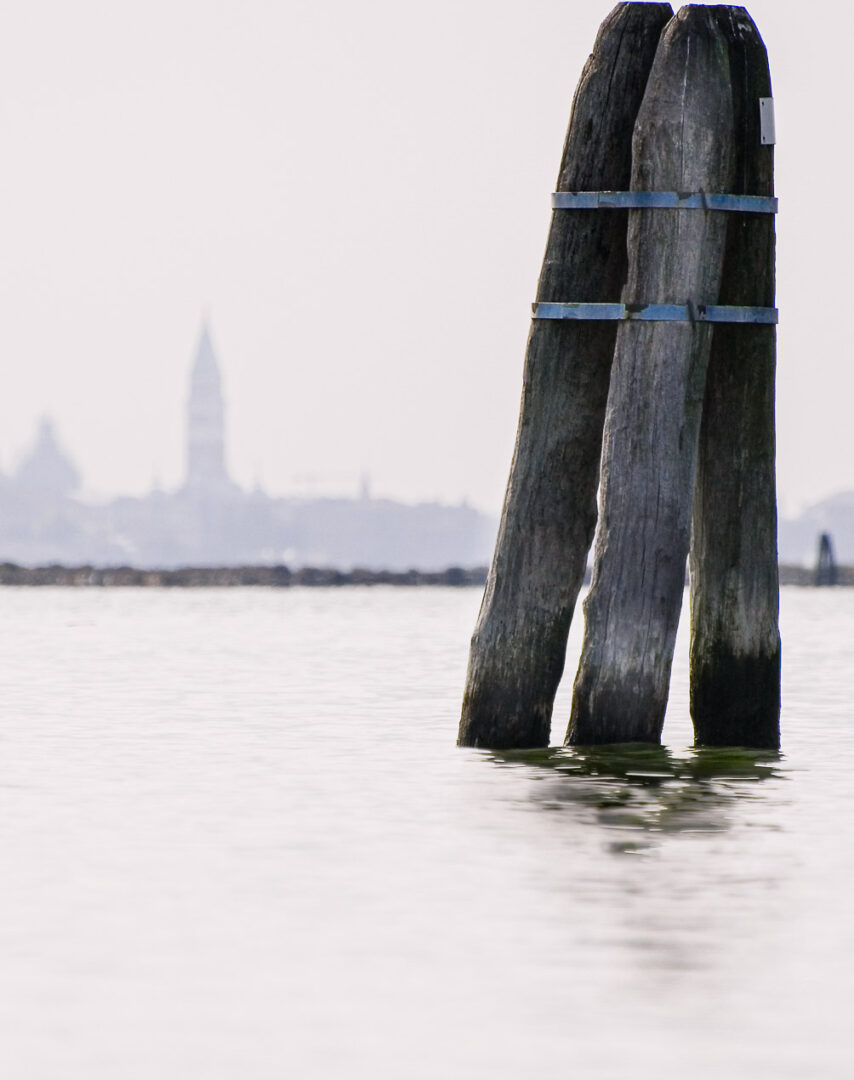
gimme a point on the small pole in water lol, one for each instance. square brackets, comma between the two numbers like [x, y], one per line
[826, 572]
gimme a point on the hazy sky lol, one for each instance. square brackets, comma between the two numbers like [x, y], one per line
[358, 195]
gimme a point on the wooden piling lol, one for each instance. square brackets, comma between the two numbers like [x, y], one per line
[519, 643]
[826, 570]
[682, 142]
[735, 640]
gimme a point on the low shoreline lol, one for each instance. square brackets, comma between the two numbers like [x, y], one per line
[208, 577]
[215, 577]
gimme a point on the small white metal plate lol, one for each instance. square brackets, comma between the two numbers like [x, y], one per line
[767, 131]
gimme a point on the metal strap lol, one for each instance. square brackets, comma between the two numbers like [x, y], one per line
[691, 313]
[661, 200]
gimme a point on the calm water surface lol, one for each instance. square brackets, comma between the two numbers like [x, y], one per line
[237, 841]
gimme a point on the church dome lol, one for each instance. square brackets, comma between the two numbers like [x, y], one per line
[47, 470]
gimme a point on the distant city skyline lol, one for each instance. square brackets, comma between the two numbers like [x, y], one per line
[204, 460]
[204, 463]
[46, 515]
[301, 483]
[209, 520]
[359, 196]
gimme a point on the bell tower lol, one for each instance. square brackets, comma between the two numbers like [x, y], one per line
[206, 472]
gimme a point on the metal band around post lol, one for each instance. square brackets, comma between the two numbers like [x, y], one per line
[689, 313]
[662, 200]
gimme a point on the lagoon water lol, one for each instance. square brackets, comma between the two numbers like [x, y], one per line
[237, 841]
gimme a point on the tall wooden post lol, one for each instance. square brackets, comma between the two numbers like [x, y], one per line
[683, 143]
[735, 640]
[519, 643]
[826, 570]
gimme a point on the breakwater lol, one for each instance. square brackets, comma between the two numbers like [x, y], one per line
[216, 577]
[229, 576]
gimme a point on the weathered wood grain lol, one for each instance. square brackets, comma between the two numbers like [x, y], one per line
[735, 640]
[682, 142]
[519, 644]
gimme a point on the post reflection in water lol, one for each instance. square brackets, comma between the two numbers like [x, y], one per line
[642, 791]
[672, 826]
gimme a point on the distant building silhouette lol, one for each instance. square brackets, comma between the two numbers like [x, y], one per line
[211, 521]
[206, 471]
[47, 473]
